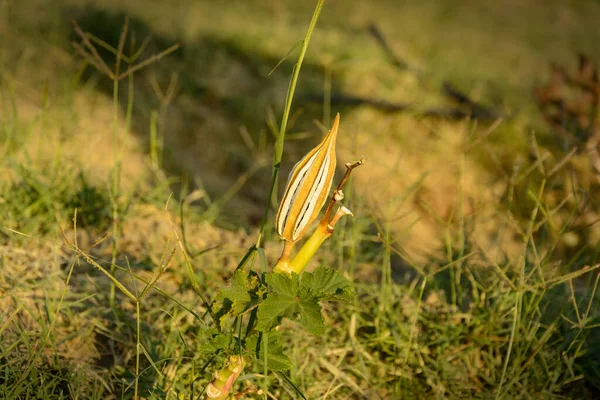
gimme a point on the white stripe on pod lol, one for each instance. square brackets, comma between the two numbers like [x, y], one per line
[313, 197]
[291, 192]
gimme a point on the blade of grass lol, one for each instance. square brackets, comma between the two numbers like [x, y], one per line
[286, 114]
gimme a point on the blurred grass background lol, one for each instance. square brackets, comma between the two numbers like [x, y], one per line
[471, 233]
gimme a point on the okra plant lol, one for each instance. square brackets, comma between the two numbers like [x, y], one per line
[259, 302]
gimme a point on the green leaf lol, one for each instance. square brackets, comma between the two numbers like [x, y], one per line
[310, 316]
[217, 342]
[236, 292]
[287, 299]
[328, 283]
[283, 284]
[277, 360]
[238, 296]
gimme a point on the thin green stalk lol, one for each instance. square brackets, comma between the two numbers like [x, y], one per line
[413, 329]
[461, 233]
[286, 114]
[115, 184]
[513, 331]
[415, 321]
[386, 273]
[327, 96]
[266, 364]
[137, 350]
[130, 98]
[153, 139]
[116, 167]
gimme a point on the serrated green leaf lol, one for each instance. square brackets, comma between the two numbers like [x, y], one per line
[328, 283]
[277, 360]
[310, 316]
[287, 299]
[283, 284]
[273, 309]
[215, 343]
[236, 292]
[238, 296]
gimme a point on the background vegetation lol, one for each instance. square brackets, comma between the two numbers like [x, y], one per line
[475, 244]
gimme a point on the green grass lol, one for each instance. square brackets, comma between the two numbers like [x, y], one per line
[474, 252]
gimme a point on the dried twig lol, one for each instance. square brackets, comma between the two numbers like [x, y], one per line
[475, 109]
[338, 195]
[99, 62]
[92, 56]
[350, 100]
[383, 43]
[152, 59]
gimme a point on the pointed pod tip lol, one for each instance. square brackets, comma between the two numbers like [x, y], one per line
[336, 124]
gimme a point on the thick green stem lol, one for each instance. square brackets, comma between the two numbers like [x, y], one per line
[220, 387]
[283, 264]
[307, 251]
